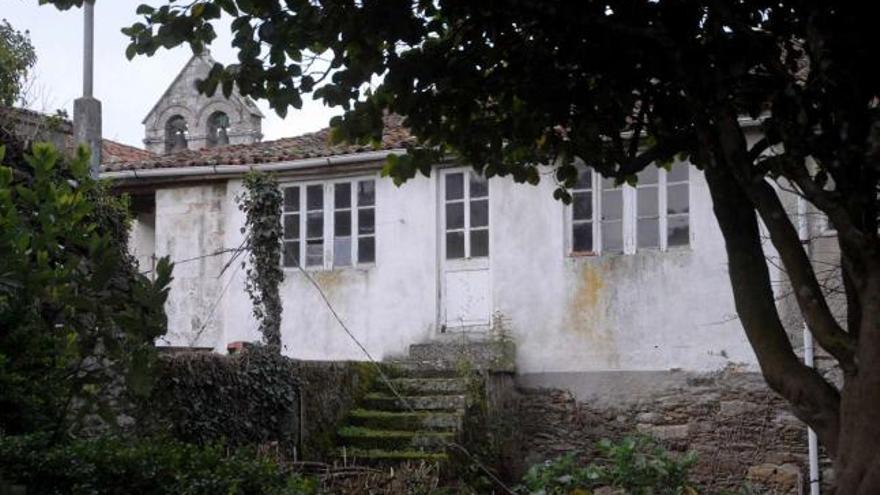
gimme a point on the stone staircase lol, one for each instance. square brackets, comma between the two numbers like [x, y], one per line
[385, 429]
[432, 381]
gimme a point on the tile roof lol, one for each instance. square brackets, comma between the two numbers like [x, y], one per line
[311, 145]
[113, 152]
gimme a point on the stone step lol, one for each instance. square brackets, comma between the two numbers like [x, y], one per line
[368, 439]
[481, 354]
[419, 369]
[379, 456]
[387, 402]
[421, 420]
[424, 386]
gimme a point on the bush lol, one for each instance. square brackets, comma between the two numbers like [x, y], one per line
[146, 466]
[248, 398]
[77, 320]
[639, 466]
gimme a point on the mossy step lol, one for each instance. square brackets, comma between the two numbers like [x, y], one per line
[419, 369]
[379, 456]
[424, 386]
[386, 402]
[366, 438]
[420, 420]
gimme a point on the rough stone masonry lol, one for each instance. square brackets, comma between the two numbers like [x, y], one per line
[740, 429]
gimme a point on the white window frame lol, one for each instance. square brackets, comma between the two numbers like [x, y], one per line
[630, 218]
[329, 224]
[466, 229]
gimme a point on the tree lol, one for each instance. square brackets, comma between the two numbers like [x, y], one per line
[17, 56]
[622, 84]
[77, 320]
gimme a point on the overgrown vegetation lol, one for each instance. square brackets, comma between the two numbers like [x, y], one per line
[251, 398]
[637, 465]
[17, 56]
[77, 321]
[261, 203]
[154, 466]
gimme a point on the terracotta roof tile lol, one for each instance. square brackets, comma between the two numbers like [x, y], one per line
[311, 145]
[113, 152]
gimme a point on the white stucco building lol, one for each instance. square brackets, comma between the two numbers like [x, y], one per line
[626, 279]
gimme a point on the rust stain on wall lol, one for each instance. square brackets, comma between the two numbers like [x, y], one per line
[586, 314]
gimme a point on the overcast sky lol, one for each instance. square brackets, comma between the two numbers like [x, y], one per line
[127, 90]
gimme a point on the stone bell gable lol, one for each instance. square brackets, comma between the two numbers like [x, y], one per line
[184, 119]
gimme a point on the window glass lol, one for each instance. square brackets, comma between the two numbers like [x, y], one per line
[455, 215]
[366, 221]
[455, 245]
[582, 241]
[454, 186]
[366, 193]
[678, 231]
[291, 199]
[342, 251]
[479, 186]
[290, 221]
[315, 225]
[367, 250]
[678, 173]
[342, 195]
[677, 199]
[479, 243]
[480, 213]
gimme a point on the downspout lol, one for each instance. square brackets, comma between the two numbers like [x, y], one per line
[809, 351]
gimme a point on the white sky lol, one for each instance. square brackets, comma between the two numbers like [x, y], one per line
[127, 90]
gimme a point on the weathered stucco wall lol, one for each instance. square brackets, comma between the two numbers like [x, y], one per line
[647, 311]
[651, 310]
[190, 224]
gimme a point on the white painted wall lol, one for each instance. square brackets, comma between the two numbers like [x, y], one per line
[647, 311]
[190, 223]
[142, 241]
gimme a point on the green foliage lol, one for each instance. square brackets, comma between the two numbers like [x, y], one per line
[77, 321]
[17, 56]
[248, 398]
[145, 466]
[261, 203]
[638, 465]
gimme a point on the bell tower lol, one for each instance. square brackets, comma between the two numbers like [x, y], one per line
[183, 119]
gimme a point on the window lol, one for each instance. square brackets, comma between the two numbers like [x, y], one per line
[176, 134]
[466, 210]
[218, 129]
[655, 214]
[344, 238]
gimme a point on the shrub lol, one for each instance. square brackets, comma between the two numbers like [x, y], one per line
[77, 320]
[248, 398]
[146, 466]
[638, 465]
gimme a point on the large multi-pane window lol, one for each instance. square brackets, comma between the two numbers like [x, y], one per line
[654, 214]
[466, 210]
[344, 236]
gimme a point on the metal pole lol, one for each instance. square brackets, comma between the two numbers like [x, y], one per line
[809, 350]
[88, 47]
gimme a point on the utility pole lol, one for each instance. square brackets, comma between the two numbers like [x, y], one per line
[87, 109]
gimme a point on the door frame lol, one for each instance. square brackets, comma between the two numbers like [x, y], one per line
[467, 263]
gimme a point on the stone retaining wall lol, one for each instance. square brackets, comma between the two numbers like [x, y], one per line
[742, 431]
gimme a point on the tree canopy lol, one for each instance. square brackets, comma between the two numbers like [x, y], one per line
[509, 85]
[17, 56]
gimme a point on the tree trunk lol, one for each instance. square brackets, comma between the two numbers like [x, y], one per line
[857, 464]
[813, 399]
